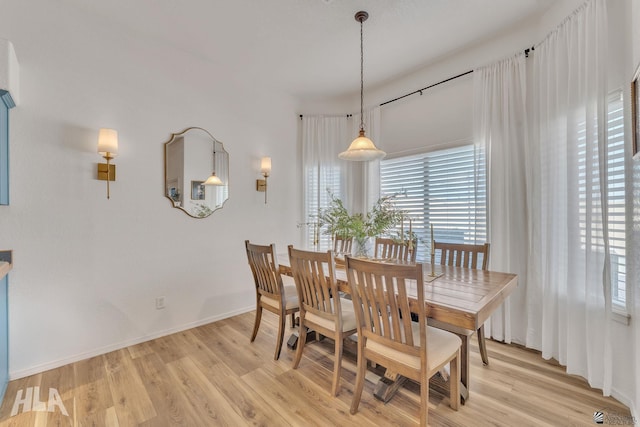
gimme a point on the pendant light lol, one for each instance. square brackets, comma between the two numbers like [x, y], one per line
[213, 179]
[362, 148]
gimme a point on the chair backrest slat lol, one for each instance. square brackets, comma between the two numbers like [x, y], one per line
[265, 269]
[380, 292]
[314, 274]
[386, 248]
[463, 255]
[342, 245]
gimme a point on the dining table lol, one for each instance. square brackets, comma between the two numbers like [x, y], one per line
[462, 298]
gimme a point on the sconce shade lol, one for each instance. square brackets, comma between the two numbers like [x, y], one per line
[265, 170]
[9, 74]
[265, 166]
[107, 148]
[108, 142]
[362, 149]
[213, 180]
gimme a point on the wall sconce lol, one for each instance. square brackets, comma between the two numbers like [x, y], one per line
[265, 170]
[107, 148]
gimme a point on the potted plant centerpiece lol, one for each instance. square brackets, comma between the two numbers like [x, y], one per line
[383, 216]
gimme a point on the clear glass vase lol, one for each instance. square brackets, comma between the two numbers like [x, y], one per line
[362, 247]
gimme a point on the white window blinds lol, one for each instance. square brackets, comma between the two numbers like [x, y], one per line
[616, 196]
[589, 189]
[321, 184]
[446, 188]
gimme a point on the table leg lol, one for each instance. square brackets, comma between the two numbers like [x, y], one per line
[388, 385]
[442, 386]
[292, 342]
[464, 366]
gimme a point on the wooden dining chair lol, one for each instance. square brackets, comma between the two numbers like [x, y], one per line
[342, 245]
[469, 256]
[388, 337]
[386, 248]
[321, 307]
[274, 292]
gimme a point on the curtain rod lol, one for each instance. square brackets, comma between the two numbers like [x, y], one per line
[417, 91]
[348, 115]
[526, 54]
[425, 88]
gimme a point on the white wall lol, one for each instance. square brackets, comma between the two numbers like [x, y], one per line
[87, 269]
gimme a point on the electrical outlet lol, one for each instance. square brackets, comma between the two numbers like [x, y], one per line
[159, 303]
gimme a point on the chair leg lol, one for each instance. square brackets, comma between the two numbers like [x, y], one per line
[293, 320]
[424, 401]
[337, 365]
[361, 371]
[302, 339]
[482, 345]
[454, 382]
[256, 324]
[281, 326]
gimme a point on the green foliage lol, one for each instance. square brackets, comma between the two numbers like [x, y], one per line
[382, 217]
[202, 211]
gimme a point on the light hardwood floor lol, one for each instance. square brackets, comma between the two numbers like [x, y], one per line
[213, 376]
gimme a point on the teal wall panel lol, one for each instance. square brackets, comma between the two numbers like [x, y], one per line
[6, 102]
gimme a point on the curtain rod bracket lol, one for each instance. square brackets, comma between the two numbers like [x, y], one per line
[526, 51]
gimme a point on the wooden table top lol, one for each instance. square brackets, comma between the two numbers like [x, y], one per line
[461, 296]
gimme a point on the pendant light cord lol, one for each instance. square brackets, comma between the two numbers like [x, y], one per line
[361, 79]
[214, 156]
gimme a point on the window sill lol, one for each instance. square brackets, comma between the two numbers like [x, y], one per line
[620, 316]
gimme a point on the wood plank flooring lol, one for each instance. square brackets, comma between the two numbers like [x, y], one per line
[213, 376]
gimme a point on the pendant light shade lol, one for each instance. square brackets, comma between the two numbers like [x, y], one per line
[362, 148]
[213, 179]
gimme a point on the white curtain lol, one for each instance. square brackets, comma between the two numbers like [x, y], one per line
[356, 183]
[554, 184]
[322, 174]
[365, 176]
[570, 302]
[500, 130]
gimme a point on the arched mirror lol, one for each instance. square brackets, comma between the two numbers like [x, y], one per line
[196, 172]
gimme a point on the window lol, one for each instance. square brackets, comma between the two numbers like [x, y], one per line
[446, 188]
[321, 183]
[615, 209]
[616, 197]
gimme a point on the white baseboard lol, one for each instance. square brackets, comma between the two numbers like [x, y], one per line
[14, 375]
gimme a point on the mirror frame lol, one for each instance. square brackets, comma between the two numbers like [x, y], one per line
[166, 161]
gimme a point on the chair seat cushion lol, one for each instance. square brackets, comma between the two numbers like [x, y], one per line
[440, 346]
[290, 295]
[348, 317]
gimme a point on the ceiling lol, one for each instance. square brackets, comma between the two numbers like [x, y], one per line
[312, 47]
